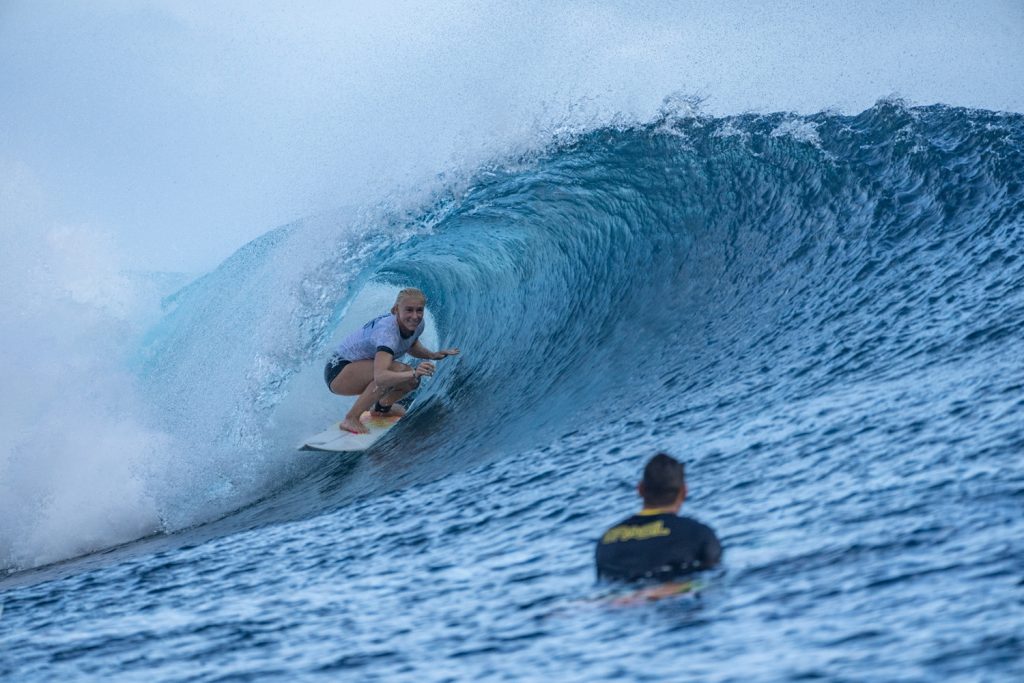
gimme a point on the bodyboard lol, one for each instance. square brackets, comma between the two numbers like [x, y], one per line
[338, 440]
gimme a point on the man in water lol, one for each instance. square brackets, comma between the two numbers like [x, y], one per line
[656, 543]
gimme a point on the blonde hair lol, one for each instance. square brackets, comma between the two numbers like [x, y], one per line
[409, 293]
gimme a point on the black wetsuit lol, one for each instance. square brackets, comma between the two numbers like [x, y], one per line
[659, 546]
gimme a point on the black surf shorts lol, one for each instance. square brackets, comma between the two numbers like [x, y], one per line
[334, 367]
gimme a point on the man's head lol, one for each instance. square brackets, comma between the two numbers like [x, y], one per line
[664, 483]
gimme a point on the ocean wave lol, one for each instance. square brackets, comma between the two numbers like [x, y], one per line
[692, 270]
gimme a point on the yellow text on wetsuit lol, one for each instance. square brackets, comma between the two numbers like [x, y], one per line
[636, 533]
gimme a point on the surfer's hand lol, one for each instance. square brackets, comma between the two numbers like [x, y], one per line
[443, 353]
[426, 368]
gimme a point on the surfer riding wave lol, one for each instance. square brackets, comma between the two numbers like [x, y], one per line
[365, 364]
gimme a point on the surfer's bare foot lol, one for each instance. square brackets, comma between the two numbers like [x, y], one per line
[396, 411]
[354, 426]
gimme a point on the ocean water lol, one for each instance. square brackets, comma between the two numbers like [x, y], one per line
[822, 315]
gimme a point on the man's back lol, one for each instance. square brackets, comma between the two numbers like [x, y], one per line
[656, 545]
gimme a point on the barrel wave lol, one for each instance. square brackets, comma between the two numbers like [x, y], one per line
[859, 274]
[824, 315]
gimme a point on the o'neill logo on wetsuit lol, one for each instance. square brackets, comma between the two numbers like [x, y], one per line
[636, 533]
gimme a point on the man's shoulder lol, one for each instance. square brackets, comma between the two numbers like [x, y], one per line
[642, 527]
[693, 525]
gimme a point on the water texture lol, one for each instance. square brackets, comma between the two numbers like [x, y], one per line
[822, 315]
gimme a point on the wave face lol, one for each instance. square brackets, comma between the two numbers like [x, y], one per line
[695, 273]
[699, 271]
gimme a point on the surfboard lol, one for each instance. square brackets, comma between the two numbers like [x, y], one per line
[620, 596]
[660, 591]
[338, 440]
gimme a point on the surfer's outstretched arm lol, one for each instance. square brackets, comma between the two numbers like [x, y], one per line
[418, 350]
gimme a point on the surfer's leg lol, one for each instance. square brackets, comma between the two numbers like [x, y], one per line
[363, 403]
[353, 378]
[356, 379]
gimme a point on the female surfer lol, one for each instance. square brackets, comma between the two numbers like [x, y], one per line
[366, 363]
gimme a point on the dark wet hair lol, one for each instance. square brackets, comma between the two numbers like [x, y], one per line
[663, 477]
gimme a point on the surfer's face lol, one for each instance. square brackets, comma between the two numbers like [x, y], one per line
[410, 314]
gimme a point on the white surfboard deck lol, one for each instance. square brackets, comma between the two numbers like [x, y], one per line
[338, 440]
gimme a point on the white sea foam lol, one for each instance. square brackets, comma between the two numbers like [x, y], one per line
[71, 441]
[799, 130]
